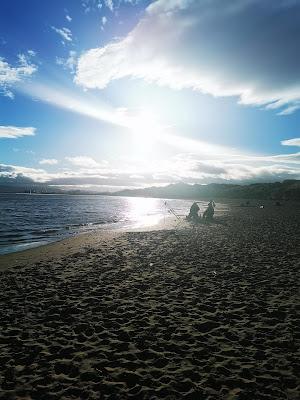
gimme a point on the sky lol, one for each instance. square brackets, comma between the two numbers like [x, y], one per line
[111, 94]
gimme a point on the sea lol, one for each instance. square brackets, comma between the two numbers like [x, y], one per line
[32, 220]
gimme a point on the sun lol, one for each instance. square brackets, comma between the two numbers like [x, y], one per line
[145, 132]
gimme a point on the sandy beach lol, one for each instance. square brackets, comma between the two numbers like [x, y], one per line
[206, 312]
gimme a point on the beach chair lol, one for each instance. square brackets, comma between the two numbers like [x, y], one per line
[179, 218]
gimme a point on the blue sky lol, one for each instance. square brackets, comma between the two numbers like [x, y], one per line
[106, 94]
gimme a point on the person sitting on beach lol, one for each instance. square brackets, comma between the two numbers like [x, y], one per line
[193, 214]
[209, 212]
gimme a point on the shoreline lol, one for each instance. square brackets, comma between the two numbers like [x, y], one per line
[73, 243]
[34, 229]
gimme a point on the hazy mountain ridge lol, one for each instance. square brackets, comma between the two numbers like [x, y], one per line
[288, 189]
[44, 189]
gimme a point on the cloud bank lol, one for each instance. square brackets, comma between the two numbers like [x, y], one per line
[85, 172]
[243, 48]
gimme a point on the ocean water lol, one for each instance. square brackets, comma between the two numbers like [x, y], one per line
[33, 220]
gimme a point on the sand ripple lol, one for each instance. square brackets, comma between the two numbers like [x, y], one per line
[209, 313]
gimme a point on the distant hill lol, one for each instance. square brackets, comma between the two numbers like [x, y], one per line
[286, 190]
[38, 189]
[289, 189]
[34, 188]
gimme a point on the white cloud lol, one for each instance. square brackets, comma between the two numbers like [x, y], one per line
[112, 5]
[16, 171]
[14, 132]
[103, 22]
[17, 150]
[109, 4]
[69, 62]
[90, 5]
[133, 2]
[32, 53]
[48, 161]
[291, 142]
[290, 109]
[190, 168]
[291, 158]
[10, 75]
[252, 54]
[65, 33]
[68, 18]
[83, 161]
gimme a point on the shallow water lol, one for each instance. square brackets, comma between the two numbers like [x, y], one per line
[32, 220]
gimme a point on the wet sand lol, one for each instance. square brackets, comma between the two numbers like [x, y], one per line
[207, 312]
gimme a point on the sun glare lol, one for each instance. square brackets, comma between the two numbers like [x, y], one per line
[144, 131]
[144, 211]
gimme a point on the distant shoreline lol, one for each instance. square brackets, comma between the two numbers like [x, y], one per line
[75, 242]
[285, 190]
[202, 198]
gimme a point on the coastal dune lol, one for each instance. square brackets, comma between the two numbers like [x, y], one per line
[203, 312]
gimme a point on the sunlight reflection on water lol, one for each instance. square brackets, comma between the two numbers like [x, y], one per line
[145, 211]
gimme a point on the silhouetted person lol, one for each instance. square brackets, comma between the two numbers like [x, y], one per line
[209, 212]
[193, 214]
